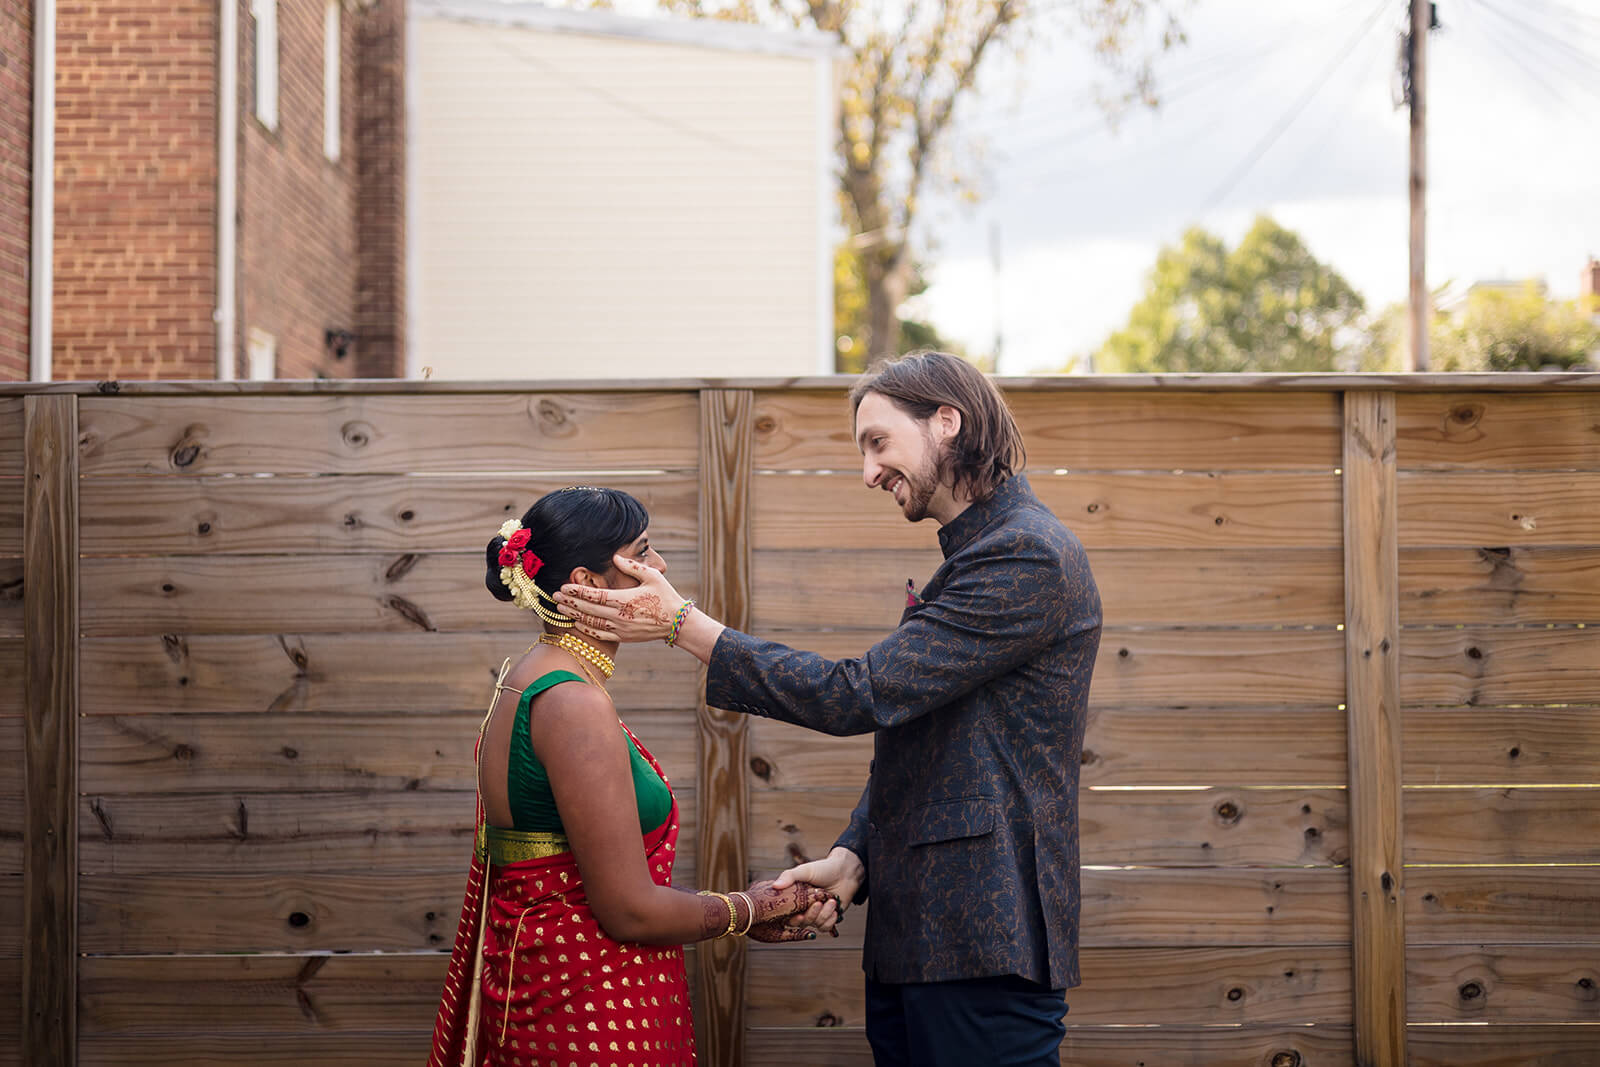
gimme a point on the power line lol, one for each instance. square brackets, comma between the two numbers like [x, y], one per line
[1293, 113]
[1554, 49]
[1502, 43]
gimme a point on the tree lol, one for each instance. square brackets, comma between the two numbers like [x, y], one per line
[1516, 329]
[908, 66]
[1267, 305]
[1494, 328]
[850, 316]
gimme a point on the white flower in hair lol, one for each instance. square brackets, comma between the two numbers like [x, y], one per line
[509, 527]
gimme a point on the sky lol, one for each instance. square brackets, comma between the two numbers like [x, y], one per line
[1279, 108]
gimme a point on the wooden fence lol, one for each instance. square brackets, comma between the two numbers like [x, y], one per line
[1340, 799]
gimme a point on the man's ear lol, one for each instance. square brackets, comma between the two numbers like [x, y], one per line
[947, 421]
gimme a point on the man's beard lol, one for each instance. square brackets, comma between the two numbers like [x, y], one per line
[921, 486]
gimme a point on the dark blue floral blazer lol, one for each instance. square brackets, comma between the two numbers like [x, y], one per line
[969, 823]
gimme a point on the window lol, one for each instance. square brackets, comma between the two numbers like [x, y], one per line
[265, 12]
[330, 81]
[261, 349]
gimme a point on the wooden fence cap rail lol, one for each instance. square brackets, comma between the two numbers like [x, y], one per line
[1476, 382]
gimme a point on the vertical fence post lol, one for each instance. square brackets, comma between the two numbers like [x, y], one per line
[50, 748]
[1372, 701]
[723, 860]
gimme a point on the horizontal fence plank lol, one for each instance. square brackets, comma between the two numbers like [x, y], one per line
[1503, 983]
[13, 822]
[1177, 668]
[341, 673]
[1498, 430]
[1138, 587]
[11, 436]
[1105, 431]
[291, 912]
[1504, 905]
[1521, 825]
[10, 915]
[1122, 746]
[1179, 828]
[1190, 907]
[243, 753]
[1476, 1045]
[11, 660]
[10, 516]
[1498, 509]
[358, 513]
[1499, 585]
[1484, 666]
[400, 434]
[10, 597]
[1087, 1046]
[264, 1050]
[307, 833]
[1104, 510]
[303, 996]
[821, 986]
[402, 593]
[1157, 907]
[1502, 746]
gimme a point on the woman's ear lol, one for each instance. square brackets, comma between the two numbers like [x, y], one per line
[585, 576]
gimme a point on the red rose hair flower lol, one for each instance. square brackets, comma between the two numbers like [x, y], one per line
[512, 549]
[531, 564]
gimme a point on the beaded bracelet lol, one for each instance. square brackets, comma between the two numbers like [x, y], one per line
[677, 623]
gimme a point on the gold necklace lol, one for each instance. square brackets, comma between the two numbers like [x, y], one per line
[582, 650]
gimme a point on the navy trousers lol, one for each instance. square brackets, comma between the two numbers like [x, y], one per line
[997, 1022]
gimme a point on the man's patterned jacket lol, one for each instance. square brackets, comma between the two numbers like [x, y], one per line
[968, 826]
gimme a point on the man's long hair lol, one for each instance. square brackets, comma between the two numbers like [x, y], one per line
[989, 448]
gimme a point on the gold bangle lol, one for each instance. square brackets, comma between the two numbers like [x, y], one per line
[750, 906]
[733, 914]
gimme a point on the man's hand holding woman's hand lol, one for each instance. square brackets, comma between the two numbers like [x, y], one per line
[838, 875]
[775, 907]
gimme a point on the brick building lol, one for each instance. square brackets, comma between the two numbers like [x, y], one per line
[228, 188]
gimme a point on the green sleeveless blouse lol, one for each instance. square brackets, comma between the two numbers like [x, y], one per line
[533, 805]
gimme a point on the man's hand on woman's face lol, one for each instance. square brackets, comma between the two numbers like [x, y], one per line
[643, 613]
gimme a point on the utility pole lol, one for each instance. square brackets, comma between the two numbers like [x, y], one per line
[1416, 96]
[994, 262]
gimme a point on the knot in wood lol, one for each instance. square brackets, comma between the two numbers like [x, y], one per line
[553, 419]
[1287, 1058]
[829, 1019]
[1464, 416]
[765, 424]
[356, 434]
[761, 768]
[1088, 756]
[108, 388]
[1471, 991]
[299, 919]
[1587, 990]
[1228, 811]
[1235, 994]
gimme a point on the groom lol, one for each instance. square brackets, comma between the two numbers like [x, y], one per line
[967, 832]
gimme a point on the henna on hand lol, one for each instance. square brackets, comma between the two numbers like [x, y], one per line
[775, 931]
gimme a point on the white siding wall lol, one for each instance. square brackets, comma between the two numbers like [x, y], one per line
[601, 206]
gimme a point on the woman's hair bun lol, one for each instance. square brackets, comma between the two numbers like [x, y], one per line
[497, 589]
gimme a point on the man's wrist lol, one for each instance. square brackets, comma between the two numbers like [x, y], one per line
[698, 634]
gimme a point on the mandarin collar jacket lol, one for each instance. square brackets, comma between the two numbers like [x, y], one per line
[978, 700]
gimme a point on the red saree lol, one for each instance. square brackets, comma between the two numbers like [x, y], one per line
[534, 980]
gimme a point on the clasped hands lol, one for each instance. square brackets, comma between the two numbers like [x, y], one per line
[807, 899]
